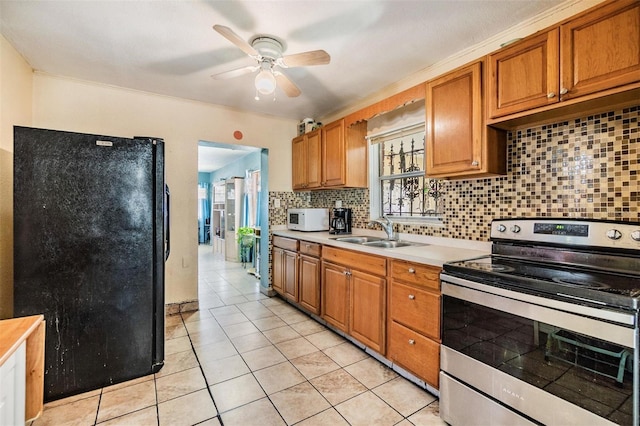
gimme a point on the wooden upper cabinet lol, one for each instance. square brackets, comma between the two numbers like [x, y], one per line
[334, 156]
[458, 143]
[589, 54]
[334, 165]
[524, 75]
[299, 158]
[345, 155]
[600, 49]
[306, 156]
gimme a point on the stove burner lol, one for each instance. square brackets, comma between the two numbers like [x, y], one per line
[490, 267]
[580, 282]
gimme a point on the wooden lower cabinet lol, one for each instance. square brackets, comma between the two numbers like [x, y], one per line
[285, 267]
[309, 282]
[335, 295]
[415, 352]
[366, 319]
[353, 300]
[396, 314]
[290, 275]
[414, 319]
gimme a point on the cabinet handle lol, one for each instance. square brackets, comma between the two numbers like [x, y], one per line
[474, 163]
[412, 342]
[551, 95]
[412, 271]
[412, 297]
[564, 91]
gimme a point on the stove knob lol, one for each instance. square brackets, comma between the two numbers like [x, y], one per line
[635, 235]
[502, 228]
[515, 229]
[614, 234]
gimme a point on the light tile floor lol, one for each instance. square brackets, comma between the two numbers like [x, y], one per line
[245, 359]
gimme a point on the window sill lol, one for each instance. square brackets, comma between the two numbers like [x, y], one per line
[435, 221]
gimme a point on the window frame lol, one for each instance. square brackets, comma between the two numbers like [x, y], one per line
[376, 181]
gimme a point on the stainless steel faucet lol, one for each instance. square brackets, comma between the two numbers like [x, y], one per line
[387, 226]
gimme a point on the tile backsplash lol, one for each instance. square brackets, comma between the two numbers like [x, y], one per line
[582, 168]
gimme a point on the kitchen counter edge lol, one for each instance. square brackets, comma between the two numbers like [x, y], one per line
[435, 252]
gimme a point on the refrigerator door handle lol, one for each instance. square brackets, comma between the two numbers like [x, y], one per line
[168, 223]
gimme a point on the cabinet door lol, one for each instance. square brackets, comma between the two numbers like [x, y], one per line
[314, 159]
[524, 75]
[299, 158]
[367, 315]
[333, 154]
[601, 49]
[278, 270]
[414, 352]
[335, 295]
[309, 283]
[290, 260]
[454, 122]
[415, 308]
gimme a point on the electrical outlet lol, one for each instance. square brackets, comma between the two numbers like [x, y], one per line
[276, 203]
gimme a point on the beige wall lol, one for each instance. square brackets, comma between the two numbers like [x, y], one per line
[15, 109]
[79, 106]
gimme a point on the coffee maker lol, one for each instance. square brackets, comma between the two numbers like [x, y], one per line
[340, 221]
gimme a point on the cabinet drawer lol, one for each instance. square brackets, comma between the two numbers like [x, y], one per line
[371, 264]
[285, 243]
[414, 352]
[311, 249]
[416, 308]
[416, 273]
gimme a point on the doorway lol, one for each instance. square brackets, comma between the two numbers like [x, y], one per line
[232, 200]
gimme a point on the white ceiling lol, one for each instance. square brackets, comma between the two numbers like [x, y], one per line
[170, 48]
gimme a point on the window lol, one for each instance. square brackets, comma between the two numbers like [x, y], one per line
[399, 187]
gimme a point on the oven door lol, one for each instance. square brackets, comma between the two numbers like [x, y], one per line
[518, 356]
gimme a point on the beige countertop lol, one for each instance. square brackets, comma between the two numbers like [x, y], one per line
[435, 251]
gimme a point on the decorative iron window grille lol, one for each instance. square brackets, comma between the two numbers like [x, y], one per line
[405, 192]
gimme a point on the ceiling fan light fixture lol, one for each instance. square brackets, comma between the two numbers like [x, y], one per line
[265, 82]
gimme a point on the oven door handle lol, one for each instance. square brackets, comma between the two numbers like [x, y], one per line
[553, 312]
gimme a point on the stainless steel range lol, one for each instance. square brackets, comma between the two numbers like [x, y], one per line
[545, 329]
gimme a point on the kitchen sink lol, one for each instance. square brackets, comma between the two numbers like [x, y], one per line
[358, 239]
[390, 244]
[375, 242]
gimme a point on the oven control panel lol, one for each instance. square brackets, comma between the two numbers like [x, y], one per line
[595, 233]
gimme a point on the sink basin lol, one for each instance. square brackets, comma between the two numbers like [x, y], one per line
[390, 244]
[358, 239]
[375, 241]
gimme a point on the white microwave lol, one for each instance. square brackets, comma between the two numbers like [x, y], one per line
[308, 219]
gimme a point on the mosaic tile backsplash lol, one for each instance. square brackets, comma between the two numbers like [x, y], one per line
[582, 168]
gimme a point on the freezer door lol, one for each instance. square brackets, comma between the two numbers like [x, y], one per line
[85, 211]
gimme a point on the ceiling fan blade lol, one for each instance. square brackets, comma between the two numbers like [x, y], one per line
[314, 57]
[235, 73]
[287, 86]
[234, 38]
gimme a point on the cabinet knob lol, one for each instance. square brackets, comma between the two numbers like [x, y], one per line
[412, 271]
[564, 91]
[307, 246]
[475, 163]
[412, 297]
[412, 342]
[551, 95]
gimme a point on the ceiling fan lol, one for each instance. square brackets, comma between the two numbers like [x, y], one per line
[267, 52]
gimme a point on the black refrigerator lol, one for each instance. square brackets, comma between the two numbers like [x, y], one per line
[91, 221]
